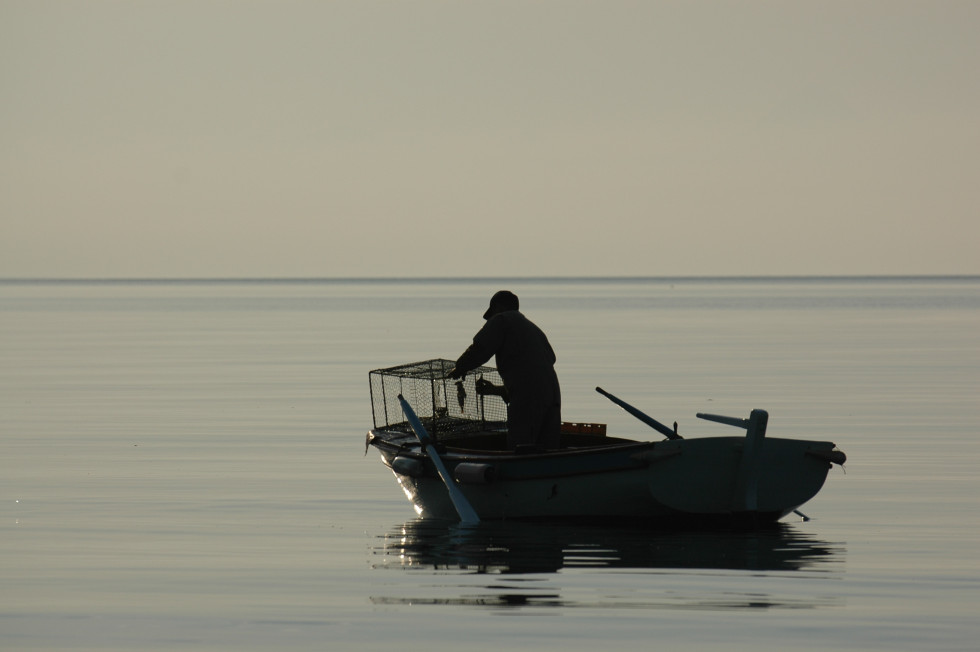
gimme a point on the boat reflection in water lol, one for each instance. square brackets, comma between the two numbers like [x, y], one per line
[493, 547]
[667, 564]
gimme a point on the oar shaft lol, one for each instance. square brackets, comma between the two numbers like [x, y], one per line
[466, 512]
[645, 418]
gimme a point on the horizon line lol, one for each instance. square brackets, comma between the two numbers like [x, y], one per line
[467, 279]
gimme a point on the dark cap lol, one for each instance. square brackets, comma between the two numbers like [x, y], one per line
[503, 300]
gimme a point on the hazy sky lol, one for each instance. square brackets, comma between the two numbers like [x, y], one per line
[452, 138]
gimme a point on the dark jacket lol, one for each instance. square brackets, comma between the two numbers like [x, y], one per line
[526, 363]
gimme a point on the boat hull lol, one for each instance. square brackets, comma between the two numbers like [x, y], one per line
[691, 479]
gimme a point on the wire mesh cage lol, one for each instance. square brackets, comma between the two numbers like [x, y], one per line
[445, 406]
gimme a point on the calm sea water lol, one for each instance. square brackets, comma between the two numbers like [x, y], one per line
[183, 468]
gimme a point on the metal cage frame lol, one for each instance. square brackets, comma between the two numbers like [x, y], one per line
[446, 407]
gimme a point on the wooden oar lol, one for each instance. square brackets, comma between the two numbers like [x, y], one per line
[645, 418]
[467, 515]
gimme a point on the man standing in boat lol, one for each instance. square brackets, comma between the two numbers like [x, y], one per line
[526, 363]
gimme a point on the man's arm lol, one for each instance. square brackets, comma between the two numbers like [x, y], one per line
[485, 344]
[472, 358]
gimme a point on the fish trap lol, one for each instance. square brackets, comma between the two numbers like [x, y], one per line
[447, 408]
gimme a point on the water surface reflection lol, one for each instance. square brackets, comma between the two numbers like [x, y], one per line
[670, 569]
[540, 548]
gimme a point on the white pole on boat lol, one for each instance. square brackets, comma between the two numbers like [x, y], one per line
[467, 515]
[750, 465]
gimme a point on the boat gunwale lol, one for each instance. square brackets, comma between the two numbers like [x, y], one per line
[413, 448]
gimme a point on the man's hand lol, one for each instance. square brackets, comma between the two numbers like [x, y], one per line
[486, 388]
[456, 374]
